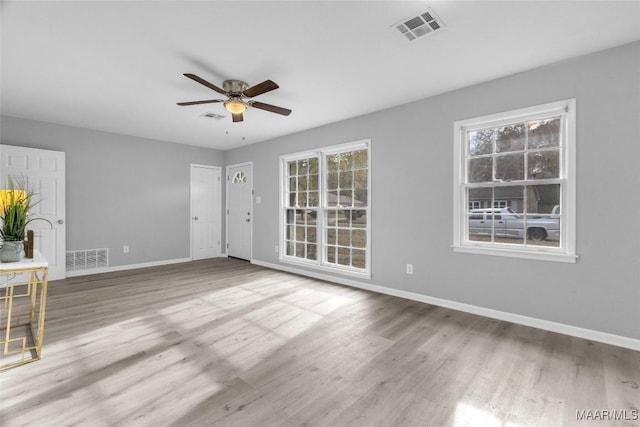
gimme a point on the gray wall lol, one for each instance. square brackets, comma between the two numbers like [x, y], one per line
[412, 148]
[121, 190]
[412, 158]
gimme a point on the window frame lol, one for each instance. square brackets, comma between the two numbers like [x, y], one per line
[285, 192]
[323, 207]
[566, 252]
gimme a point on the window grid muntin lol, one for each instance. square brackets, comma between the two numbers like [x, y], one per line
[300, 237]
[343, 225]
[560, 148]
[334, 200]
[526, 244]
[525, 182]
[302, 178]
[334, 203]
[299, 242]
[363, 208]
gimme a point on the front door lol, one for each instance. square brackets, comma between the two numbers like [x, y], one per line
[239, 210]
[205, 212]
[44, 171]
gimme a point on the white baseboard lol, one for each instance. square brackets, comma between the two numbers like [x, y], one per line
[589, 334]
[126, 267]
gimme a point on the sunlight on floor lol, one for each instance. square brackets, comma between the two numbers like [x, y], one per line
[181, 355]
[234, 336]
[468, 415]
[127, 387]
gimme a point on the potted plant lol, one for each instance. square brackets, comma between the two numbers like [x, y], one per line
[15, 204]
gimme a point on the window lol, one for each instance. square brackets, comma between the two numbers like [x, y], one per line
[239, 178]
[303, 192]
[518, 170]
[325, 208]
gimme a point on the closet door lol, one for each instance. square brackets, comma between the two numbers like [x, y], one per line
[44, 171]
[205, 212]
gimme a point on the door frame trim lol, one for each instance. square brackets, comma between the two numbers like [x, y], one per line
[226, 204]
[197, 165]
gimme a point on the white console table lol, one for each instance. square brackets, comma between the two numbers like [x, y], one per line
[23, 299]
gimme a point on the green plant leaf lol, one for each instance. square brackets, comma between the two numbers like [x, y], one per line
[15, 212]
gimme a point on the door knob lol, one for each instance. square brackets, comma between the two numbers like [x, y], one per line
[195, 218]
[60, 221]
[248, 220]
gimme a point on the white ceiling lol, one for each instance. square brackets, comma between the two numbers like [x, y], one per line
[117, 65]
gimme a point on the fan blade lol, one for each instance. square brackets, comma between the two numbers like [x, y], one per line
[271, 108]
[260, 88]
[237, 117]
[199, 102]
[206, 83]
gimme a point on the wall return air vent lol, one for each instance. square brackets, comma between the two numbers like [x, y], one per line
[89, 259]
[418, 26]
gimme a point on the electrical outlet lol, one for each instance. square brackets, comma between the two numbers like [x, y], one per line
[125, 249]
[409, 268]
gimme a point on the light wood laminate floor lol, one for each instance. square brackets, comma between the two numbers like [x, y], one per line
[224, 342]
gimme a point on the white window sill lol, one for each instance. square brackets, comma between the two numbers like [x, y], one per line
[326, 268]
[511, 253]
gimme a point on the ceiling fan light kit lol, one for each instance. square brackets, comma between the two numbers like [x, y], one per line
[239, 96]
[235, 106]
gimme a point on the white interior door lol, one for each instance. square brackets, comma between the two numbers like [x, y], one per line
[239, 210]
[205, 212]
[44, 171]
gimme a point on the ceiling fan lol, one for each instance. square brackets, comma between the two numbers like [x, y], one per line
[238, 95]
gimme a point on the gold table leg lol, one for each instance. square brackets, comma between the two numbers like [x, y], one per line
[22, 337]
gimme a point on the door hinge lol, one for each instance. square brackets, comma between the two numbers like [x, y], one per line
[252, 193]
[218, 242]
[227, 246]
[227, 211]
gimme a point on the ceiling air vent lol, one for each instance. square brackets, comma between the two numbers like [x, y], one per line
[421, 25]
[209, 115]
